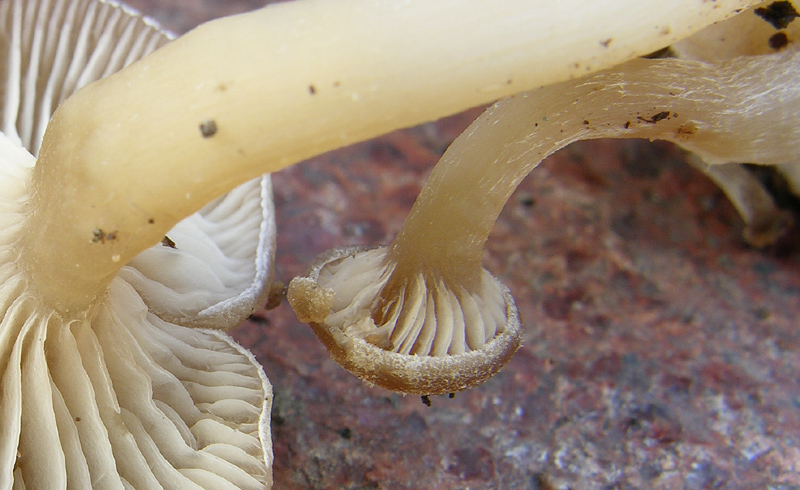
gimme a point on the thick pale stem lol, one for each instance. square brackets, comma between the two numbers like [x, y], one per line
[740, 110]
[125, 159]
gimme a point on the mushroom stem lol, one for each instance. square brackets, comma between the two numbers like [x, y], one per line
[738, 110]
[422, 315]
[126, 158]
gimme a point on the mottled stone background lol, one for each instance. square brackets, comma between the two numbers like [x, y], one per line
[660, 351]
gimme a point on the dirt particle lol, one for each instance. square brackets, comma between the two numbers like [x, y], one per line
[627, 125]
[77, 419]
[100, 236]
[208, 128]
[604, 43]
[778, 14]
[151, 221]
[426, 400]
[685, 131]
[585, 122]
[167, 242]
[312, 90]
[655, 117]
[778, 41]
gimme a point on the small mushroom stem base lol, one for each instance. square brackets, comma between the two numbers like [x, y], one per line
[417, 337]
[764, 222]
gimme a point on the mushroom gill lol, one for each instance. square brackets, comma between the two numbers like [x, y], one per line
[391, 302]
[427, 329]
[119, 396]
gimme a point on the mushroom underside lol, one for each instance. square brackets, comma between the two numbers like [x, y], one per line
[124, 395]
[428, 338]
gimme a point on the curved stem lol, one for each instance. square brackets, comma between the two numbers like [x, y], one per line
[742, 110]
[126, 158]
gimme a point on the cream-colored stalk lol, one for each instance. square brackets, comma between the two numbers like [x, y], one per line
[126, 157]
[389, 314]
[739, 110]
[757, 31]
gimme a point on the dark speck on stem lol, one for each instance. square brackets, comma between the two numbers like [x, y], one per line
[100, 236]
[778, 14]
[778, 40]
[656, 117]
[208, 128]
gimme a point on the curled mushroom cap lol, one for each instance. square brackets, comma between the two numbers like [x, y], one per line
[414, 330]
[125, 395]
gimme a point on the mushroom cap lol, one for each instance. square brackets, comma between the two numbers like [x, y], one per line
[430, 338]
[125, 395]
[218, 268]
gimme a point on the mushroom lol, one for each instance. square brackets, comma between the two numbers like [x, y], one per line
[760, 30]
[105, 384]
[420, 316]
[127, 395]
[402, 315]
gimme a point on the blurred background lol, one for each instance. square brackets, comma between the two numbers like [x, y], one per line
[660, 350]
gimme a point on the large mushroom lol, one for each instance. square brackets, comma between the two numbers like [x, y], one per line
[126, 395]
[103, 384]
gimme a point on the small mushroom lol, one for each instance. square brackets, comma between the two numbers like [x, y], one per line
[390, 314]
[418, 317]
